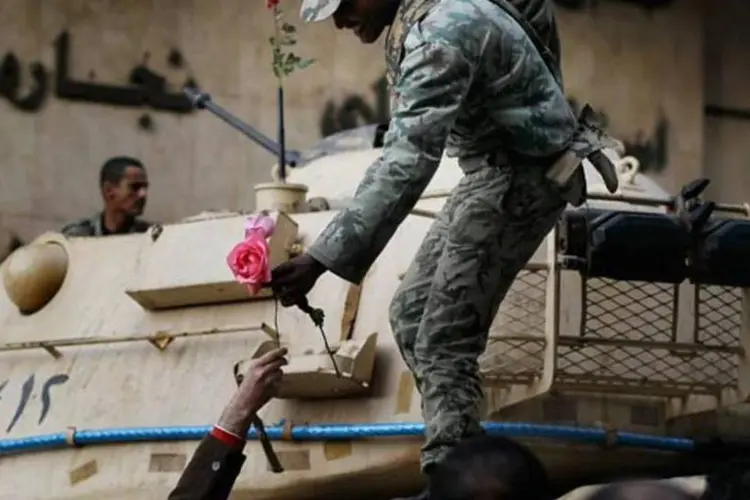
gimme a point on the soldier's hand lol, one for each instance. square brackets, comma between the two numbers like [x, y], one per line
[292, 280]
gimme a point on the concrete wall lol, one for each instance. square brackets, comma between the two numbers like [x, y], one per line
[50, 159]
[636, 66]
[642, 69]
[727, 69]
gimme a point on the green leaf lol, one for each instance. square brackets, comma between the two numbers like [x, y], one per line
[288, 28]
[305, 63]
[292, 58]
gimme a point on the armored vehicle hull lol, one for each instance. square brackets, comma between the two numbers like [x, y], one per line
[117, 353]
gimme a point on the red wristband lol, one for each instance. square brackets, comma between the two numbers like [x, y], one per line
[227, 437]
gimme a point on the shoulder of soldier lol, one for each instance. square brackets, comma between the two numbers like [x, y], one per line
[470, 21]
[81, 227]
[460, 24]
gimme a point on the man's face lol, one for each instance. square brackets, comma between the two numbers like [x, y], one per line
[129, 196]
[366, 18]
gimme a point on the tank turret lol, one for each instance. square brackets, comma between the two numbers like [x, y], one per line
[127, 348]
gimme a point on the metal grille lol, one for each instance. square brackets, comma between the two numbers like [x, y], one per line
[626, 340]
[719, 320]
[515, 350]
[637, 311]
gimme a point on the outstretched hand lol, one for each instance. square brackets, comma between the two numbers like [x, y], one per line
[263, 379]
[292, 280]
[259, 384]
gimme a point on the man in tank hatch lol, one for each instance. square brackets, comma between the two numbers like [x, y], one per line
[482, 82]
[124, 187]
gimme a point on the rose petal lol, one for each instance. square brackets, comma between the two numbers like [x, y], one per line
[260, 223]
[249, 262]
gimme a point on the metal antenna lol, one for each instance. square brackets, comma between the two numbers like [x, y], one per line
[202, 100]
[281, 134]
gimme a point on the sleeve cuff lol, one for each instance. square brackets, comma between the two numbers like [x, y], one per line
[347, 274]
[226, 437]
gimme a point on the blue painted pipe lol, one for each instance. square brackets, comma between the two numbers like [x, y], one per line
[331, 432]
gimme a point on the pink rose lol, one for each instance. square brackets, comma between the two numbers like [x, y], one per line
[261, 223]
[248, 261]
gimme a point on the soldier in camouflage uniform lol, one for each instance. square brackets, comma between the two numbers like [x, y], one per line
[466, 76]
[124, 187]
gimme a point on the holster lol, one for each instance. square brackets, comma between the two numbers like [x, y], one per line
[589, 142]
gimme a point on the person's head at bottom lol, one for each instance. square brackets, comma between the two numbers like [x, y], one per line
[641, 490]
[489, 468]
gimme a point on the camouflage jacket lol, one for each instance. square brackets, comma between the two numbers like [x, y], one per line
[466, 77]
[92, 226]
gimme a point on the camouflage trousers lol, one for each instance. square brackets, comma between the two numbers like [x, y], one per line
[489, 228]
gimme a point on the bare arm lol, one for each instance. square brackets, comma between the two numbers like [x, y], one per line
[218, 460]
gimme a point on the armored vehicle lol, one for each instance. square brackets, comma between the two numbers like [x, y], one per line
[620, 345]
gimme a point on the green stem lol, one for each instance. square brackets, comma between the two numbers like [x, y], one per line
[277, 45]
[280, 95]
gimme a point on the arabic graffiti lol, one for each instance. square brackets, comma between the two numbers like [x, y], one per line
[10, 83]
[28, 386]
[144, 88]
[355, 111]
[26, 390]
[54, 380]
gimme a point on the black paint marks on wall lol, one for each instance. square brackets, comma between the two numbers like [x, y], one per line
[54, 380]
[143, 88]
[355, 110]
[651, 151]
[26, 395]
[649, 148]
